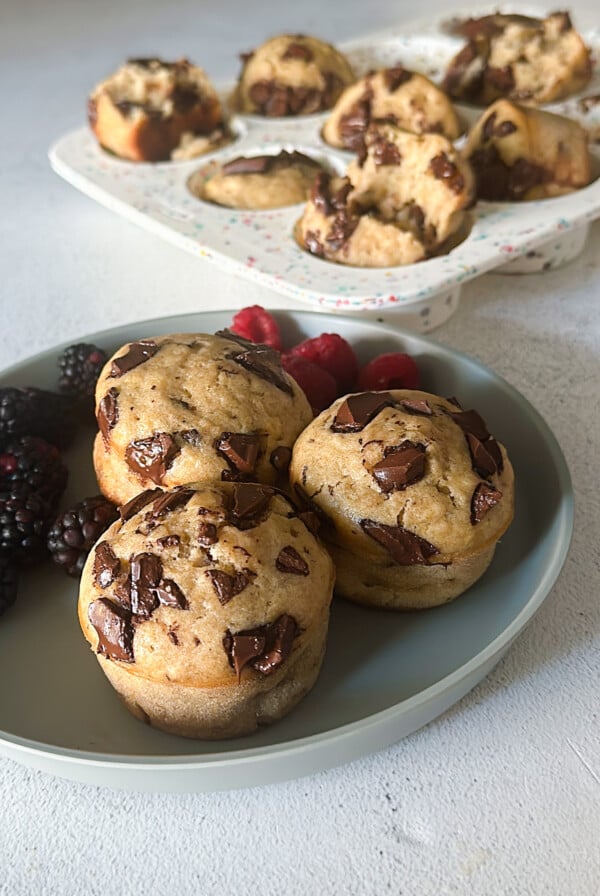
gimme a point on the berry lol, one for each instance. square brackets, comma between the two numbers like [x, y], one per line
[23, 527]
[257, 325]
[27, 411]
[317, 384]
[331, 352]
[8, 585]
[31, 465]
[80, 366]
[74, 533]
[394, 370]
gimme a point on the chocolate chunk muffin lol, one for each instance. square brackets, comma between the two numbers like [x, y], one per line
[413, 493]
[519, 57]
[518, 152]
[291, 74]
[259, 182]
[401, 200]
[151, 111]
[207, 607]
[397, 95]
[177, 408]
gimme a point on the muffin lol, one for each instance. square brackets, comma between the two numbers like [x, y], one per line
[518, 152]
[291, 74]
[397, 95]
[207, 607]
[413, 493]
[151, 111]
[184, 407]
[519, 57]
[400, 202]
[259, 182]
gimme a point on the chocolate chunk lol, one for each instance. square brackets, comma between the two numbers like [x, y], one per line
[145, 575]
[191, 436]
[172, 500]
[354, 123]
[453, 400]
[136, 354]
[402, 466]
[289, 560]
[266, 364]
[471, 422]
[358, 410]
[248, 165]
[106, 565]
[152, 457]
[280, 458]
[207, 534]
[319, 193]
[250, 505]
[126, 511]
[464, 77]
[114, 628]
[502, 79]
[313, 244]
[406, 548]
[170, 594]
[505, 128]
[341, 230]
[491, 129]
[489, 126]
[482, 460]
[493, 450]
[443, 169]
[172, 636]
[168, 541]
[264, 648]
[484, 498]
[298, 51]
[227, 586]
[385, 152]
[184, 98]
[395, 77]
[418, 406]
[241, 451]
[276, 104]
[108, 412]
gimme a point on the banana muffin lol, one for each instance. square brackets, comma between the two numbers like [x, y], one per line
[207, 607]
[413, 493]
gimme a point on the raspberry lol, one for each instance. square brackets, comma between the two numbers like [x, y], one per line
[394, 370]
[31, 465]
[74, 533]
[23, 527]
[331, 352]
[28, 411]
[257, 325]
[8, 585]
[80, 367]
[317, 384]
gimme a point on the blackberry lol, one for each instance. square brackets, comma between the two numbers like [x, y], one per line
[74, 532]
[27, 411]
[8, 585]
[23, 526]
[31, 465]
[80, 367]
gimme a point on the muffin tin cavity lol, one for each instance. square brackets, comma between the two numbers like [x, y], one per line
[260, 245]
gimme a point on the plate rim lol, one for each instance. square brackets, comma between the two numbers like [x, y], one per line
[492, 651]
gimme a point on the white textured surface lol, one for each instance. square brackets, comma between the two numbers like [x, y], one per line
[502, 794]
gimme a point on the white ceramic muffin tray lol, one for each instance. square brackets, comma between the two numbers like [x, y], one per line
[512, 237]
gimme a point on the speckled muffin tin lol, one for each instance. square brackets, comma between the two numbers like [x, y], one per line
[509, 237]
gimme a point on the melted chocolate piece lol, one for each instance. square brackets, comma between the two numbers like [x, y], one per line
[406, 548]
[172, 500]
[502, 79]
[264, 648]
[191, 436]
[395, 77]
[136, 354]
[126, 511]
[298, 51]
[227, 586]
[402, 466]
[384, 152]
[289, 560]
[484, 498]
[313, 244]
[443, 169]
[264, 164]
[184, 98]
[418, 406]
[341, 230]
[250, 505]
[170, 594]
[358, 410]
[168, 541]
[497, 181]
[108, 412]
[241, 451]
[172, 636]
[280, 458]
[145, 575]
[207, 534]
[106, 565]
[491, 129]
[275, 100]
[152, 457]
[481, 458]
[471, 422]
[354, 123]
[114, 628]
[265, 362]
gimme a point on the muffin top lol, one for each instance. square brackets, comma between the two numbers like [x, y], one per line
[205, 585]
[405, 476]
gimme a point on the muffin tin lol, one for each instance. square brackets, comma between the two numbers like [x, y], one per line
[507, 237]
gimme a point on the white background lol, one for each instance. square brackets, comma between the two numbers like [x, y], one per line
[499, 796]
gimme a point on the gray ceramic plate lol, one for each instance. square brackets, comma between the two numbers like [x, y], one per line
[384, 676]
